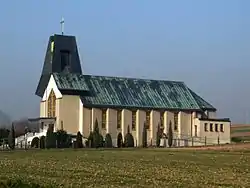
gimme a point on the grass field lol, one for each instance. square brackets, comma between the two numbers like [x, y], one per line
[128, 168]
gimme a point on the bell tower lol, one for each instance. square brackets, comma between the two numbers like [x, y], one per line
[61, 57]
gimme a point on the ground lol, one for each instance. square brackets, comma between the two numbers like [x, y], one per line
[129, 167]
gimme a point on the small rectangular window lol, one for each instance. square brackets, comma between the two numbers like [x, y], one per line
[211, 127]
[216, 127]
[205, 127]
[221, 128]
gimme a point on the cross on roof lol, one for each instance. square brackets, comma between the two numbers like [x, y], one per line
[62, 25]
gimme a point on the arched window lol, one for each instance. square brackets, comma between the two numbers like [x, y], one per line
[52, 104]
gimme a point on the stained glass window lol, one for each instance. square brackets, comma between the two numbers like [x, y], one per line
[134, 120]
[104, 120]
[52, 104]
[176, 121]
[119, 119]
[148, 119]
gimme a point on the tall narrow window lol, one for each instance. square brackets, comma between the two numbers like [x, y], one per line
[205, 127]
[195, 130]
[104, 120]
[119, 119]
[211, 127]
[162, 119]
[148, 119]
[176, 121]
[216, 127]
[52, 104]
[134, 120]
[221, 128]
[65, 60]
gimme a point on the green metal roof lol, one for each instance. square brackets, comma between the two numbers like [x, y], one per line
[73, 82]
[200, 101]
[104, 91]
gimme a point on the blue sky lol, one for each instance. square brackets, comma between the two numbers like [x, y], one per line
[204, 43]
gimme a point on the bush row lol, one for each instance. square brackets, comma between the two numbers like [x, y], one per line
[61, 139]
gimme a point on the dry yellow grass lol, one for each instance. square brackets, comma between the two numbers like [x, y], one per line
[127, 168]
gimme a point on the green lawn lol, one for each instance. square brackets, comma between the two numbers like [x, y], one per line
[127, 168]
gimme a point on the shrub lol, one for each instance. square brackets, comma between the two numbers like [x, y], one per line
[96, 135]
[89, 143]
[62, 139]
[79, 143]
[129, 139]
[108, 141]
[144, 136]
[158, 136]
[42, 142]
[119, 140]
[170, 135]
[236, 139]
[101, 143]
[50, 138]
[11, 138]
[35, 142]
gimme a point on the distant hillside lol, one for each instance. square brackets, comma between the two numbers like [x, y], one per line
[5, 120]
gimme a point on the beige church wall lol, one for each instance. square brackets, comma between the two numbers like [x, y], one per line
[69, 113]
[168, 116]
[140, 119]
[185, 124]
[212, 136]
[103, 132]
[196, 140]
[154, 121]
[112, 124]
[211, 115]
[126, 121]
[59, 123]
[96, 115]
[134, 136]
[43, 109]
[86, 121]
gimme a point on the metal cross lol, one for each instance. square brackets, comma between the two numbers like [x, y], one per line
[62, 25]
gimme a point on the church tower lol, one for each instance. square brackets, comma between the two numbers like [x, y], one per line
[61, 57]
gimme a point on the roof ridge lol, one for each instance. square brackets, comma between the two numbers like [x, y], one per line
[124, 77]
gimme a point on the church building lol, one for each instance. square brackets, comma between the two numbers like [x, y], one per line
[76, 100]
